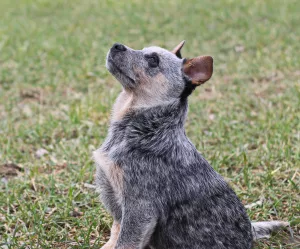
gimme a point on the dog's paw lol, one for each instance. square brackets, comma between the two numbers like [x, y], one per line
[109, 245]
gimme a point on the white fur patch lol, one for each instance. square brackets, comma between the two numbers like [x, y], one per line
[264, 229]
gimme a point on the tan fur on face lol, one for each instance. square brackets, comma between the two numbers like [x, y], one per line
[149, 92]
[112, 171]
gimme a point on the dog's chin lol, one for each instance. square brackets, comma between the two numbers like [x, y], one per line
[125, 80]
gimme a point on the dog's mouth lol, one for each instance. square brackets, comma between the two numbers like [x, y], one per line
[119, 70]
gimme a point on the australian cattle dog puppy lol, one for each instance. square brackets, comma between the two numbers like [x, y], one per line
[159, 189]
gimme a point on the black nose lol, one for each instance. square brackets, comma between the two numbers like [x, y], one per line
[118, 47]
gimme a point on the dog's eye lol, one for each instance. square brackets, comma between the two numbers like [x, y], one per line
[153, 60]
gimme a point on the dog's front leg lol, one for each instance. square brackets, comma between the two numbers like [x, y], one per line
[138, 223]
[114, 234]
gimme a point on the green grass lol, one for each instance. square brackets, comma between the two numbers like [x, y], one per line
[56, 94]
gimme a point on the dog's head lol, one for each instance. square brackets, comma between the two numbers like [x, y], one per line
[156, 73]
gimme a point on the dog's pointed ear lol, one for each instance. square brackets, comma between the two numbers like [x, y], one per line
[199, 69]
[177, 49]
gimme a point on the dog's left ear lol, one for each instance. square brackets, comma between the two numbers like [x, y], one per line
[177, 49]
[199, 69]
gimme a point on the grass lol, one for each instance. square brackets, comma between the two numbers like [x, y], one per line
[56, 95]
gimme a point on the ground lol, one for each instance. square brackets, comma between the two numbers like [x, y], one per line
[56, 96]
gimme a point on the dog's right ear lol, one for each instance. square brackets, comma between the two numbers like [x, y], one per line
[199, 69]
[177, 49]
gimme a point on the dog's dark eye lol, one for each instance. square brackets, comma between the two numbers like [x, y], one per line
[153, 60]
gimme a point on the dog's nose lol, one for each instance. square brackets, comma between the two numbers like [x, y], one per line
[118, 47]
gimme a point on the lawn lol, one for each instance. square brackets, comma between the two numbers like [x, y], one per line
[56, 96]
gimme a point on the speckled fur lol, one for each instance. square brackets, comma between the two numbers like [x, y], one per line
[171, 198]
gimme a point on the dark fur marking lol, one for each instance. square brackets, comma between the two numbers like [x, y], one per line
[189, 86]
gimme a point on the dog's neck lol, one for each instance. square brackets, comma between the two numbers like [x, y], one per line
[149, 129]
[128, 102]
[159, 116]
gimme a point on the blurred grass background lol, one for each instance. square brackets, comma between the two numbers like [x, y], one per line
[56, 96]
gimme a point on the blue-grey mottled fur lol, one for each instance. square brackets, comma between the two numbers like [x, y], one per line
[171, 197]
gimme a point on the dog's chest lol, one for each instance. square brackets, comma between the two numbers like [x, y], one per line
[107, 168]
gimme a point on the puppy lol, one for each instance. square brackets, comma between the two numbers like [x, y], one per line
[159, 189]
